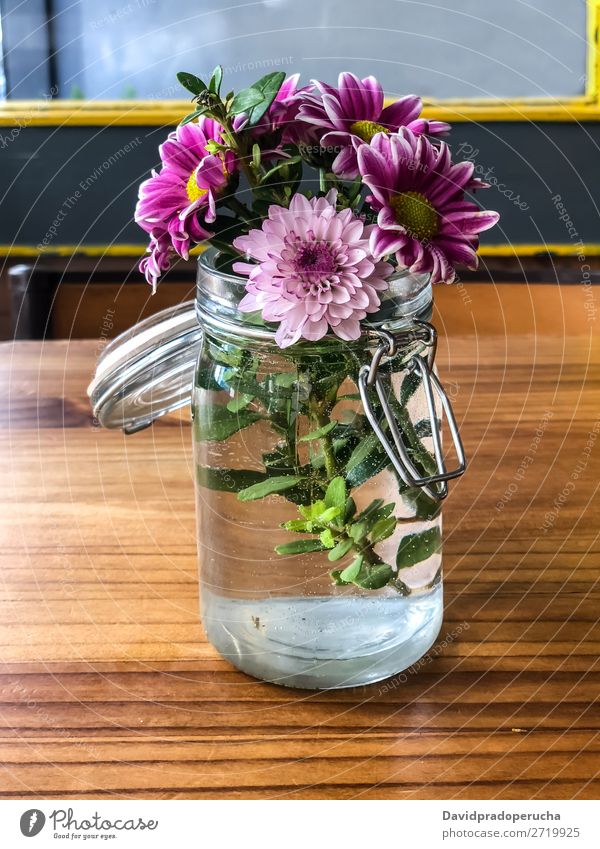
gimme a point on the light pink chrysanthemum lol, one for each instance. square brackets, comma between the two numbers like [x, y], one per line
[180, 199]
[314, 271]
[423, 216]
[351, 114]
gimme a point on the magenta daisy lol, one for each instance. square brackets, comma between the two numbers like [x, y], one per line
[419, 194]
[180, 199]
[314, 271]
[354, 112]
[161, 253]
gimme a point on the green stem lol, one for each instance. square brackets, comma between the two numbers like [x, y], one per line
[330, 464]
[322, 181]
[407, 427]
[242, 210]
[319, 419]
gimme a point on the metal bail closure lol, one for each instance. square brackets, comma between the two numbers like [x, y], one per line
[435, 485]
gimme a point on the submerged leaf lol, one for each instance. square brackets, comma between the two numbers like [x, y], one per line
[351, 572]
[340, 550]
[318, 434]
[269, 486]
[375, 578]
[327, 539]
[335, 495]
[383, 529]
[300, 546]
[227, 480]
[415, 548]
[218, 423]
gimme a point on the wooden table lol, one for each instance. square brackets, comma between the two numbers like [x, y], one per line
[108, 687]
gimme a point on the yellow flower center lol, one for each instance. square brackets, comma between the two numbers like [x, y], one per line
[416, 214]
[365, 130]
[192, 188]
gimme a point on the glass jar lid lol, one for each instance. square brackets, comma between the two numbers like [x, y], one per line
[148, 370]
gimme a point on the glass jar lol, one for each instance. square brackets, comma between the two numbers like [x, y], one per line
[319, 480]
[319, 477]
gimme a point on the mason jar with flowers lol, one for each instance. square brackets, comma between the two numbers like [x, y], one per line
[325, 215]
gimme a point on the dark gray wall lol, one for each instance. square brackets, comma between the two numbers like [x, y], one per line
[73, 185]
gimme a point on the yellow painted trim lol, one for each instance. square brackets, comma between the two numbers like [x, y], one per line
[555, 249]
[509, 250]
[22, 113]
[72, 250]
[592, 86]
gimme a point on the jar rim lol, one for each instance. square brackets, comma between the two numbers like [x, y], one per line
[218, 293]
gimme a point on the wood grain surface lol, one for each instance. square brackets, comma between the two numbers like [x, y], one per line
[109, 689]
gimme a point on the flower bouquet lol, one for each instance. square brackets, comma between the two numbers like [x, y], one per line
[316, 415]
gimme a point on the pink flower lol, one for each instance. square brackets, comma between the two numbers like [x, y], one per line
[180, 199]
[161, 253]
[350, 115]
[419, 194]
[314, 270]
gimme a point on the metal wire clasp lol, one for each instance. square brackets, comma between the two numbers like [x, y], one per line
[435, 485]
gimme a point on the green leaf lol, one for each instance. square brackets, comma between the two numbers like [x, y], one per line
[297, 525]
[417, 547]
[362, 451]
[350, 573]
[191, 82]
[272, 172]
[318, 434]
[218, 423]
[300, 546]
[383, 529]
[366, 461]
[423, 428]
[358, 531]
[268, 86]
[380, 513]
[256, 155]
[335, 496]
[245, 100]
[424, 507]
[340, 550]
[375, 578]
[314, 510]
[327, 539]
[349, 509]
[269, 486]
[237, 404]
[409, 386]
[227, 480]
[368, 511]
[328, 515]
[215, 81]
[279, 458]
[286, 379]
[192, 117]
